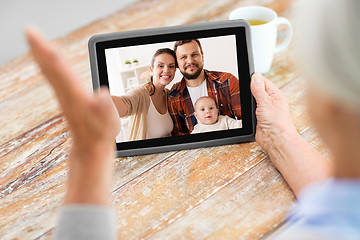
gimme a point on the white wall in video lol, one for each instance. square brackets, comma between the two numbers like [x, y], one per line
[219, 54]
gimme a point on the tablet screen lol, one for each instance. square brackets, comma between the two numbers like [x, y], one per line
[217, 111]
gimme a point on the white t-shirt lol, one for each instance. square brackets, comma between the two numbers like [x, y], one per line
[158, 125]
[223, 123]
[197, 92]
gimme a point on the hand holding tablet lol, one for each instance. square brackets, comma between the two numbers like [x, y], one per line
[213, 59]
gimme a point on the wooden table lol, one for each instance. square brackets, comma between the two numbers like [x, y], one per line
[226, 192]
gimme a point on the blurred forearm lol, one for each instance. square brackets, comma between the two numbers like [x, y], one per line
[90, 175]
[299, 163]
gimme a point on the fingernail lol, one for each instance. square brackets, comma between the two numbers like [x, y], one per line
[257, 77]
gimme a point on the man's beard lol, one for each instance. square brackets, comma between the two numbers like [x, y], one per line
[194, 75]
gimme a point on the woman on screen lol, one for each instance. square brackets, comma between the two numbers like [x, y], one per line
[147, 104]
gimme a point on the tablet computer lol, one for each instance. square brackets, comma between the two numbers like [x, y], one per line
[205, 70]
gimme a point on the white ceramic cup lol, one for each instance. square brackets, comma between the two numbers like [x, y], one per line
[264, 36]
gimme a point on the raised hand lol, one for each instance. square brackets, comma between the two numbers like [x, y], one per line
[93, 121]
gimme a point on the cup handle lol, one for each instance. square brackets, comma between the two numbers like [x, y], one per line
[289, 33]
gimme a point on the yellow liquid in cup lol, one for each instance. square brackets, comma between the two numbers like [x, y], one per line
[254, 22]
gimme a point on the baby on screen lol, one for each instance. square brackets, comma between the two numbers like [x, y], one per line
[206, 113]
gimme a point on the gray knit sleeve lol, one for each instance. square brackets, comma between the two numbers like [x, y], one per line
[88, 222]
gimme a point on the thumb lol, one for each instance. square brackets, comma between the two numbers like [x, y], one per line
[258, 87]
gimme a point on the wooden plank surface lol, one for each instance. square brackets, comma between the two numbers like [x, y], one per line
[26, 99]
[225, 192]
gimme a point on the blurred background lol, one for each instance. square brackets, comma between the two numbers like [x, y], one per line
[54, 18]
[122, 77]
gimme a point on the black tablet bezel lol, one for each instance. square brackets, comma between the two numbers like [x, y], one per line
[239, 28]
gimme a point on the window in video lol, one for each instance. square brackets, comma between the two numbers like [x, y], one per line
[175, 88]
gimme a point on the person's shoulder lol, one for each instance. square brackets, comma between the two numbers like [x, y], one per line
[196, 129]
[138, 92]
[175, 90]
[227, 76]
[221, 117]
[175, 87]
[212, 74]
[224, 118]
[220, 76]
[139, 89]
[148, 88]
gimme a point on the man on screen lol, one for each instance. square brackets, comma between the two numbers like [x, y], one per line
[197, 82]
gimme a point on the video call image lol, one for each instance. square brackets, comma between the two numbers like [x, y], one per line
[159, 92]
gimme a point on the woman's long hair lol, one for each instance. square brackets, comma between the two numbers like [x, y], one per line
[150, 85]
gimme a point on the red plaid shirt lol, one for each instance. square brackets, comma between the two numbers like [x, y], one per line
[221, 86]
